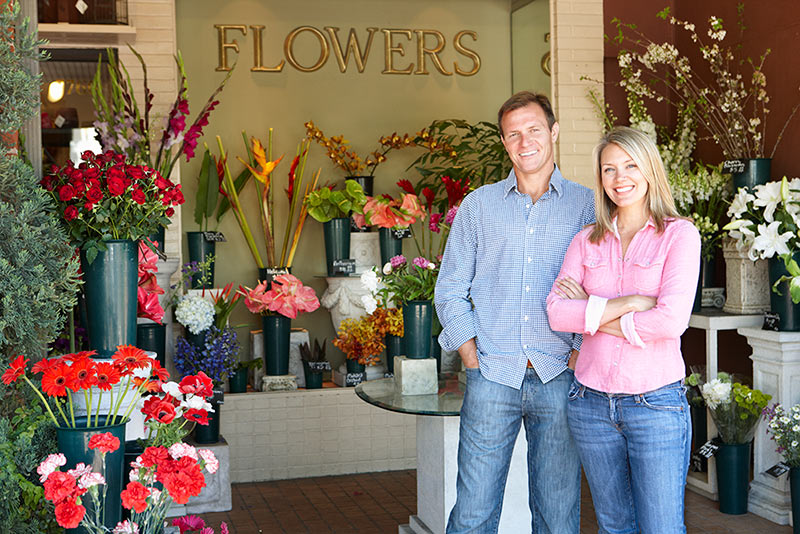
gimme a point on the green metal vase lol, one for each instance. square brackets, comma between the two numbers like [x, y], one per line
[733, 477]
[394, 347]
[74, 444]
[237, 382]
[782, 304]
[756, 172]
[276, 333]
[313, 378]
[337, 241]
[794, 484]
[390, 245]
[110, 285]
[417, 325]
[199, 250]
[153, 337]
[207, 434]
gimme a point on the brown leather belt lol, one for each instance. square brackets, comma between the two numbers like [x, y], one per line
[530, 365]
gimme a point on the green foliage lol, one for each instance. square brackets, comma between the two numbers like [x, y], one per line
[26, 438]
[207, 192]
[472, 151]
[19, 88]
[38, 271]
[255, 363]
[325, 204]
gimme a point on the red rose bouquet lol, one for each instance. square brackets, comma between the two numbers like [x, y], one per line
[106, 198]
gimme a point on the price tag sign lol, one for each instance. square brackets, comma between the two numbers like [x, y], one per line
[218, 397]
[401, 233]
[733, 166]
[59, 122]
[354, 379]
[216, 237]
[344, 267]
[319, 366]
[772, 321]
[81, 6]
[777, 470]
[708, 449]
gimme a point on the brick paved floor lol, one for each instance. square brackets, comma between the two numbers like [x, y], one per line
[376, 503]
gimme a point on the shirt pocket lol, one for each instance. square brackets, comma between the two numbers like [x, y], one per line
[596, 273]
[647, 274]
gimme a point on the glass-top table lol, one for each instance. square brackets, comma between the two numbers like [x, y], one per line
[383, 394]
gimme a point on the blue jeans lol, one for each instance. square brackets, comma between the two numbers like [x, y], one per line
[491, 417]
[635, 453]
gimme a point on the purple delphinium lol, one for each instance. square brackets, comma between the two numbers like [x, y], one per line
[420, 262]
[397, 261]
[218, 356]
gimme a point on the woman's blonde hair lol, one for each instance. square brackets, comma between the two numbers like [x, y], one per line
[643, 151]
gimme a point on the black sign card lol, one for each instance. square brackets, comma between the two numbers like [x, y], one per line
[772, 321]
[733, 166]
[709, 448]
[354, 379]
[401, 233]
[344, 267]
[778, 469]
[319, 366]
[214, 237]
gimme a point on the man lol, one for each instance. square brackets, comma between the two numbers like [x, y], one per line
[504, 252]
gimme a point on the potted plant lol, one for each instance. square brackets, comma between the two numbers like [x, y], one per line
[261, 166]
[237, 383]
[763, 222]
[735, 409]
[333, 208]
[314, 363]
[393, 217]
[389, 321]
[730, 105]
[362, 343]
[782, 425]
[278, 306]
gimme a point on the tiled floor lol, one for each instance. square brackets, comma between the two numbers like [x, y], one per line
[376, 503]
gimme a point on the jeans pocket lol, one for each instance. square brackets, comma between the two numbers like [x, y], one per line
[668, 400]
[574, 390]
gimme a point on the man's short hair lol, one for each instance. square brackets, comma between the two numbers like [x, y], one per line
[522, 99]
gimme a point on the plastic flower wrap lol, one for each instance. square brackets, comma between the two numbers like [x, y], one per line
[195, 313]
[288, 297]
[784, 425]
[735, 408]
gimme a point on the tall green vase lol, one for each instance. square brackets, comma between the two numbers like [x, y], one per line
[782, 304]
[337, 241]
[794, 484]
[276, 333]
[237, 382]
[417, 324]
[394, 347]
[110, 284]
[755, 172]
[733, 477]
[74, 444]
[199, 250]
[153, 337]
[390, 245]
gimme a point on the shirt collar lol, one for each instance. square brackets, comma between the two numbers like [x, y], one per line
[649, 222]
[556, 182]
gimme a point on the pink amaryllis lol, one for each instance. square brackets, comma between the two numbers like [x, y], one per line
[287, 297]
[387, 212]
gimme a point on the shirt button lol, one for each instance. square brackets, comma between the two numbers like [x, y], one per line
[530, 260]
[525, 318]
[524, 346]
[530, 231]
[615, 364]
[617, 347]
[527, 205]
[527, 288]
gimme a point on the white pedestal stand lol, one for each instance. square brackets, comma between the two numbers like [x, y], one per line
[776, 371]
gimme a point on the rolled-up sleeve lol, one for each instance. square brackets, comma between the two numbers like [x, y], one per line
[569, 315]
[669, 318]
[452, 296]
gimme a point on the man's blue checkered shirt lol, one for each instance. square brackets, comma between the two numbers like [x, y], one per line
[503, 255]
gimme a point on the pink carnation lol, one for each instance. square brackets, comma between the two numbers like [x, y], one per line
[50, 464]
[212, 464]
[91, 479]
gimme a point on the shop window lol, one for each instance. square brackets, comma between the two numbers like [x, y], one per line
[83, 11]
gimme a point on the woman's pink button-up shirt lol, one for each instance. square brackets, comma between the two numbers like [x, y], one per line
[665, 266]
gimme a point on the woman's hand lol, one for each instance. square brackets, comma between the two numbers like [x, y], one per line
[570, 289]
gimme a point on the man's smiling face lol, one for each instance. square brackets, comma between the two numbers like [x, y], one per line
[529, 141]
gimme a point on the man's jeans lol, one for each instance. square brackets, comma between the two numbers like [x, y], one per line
[491, 416]
[635, 453]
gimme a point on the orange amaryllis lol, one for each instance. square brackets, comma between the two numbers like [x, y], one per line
[66, 375]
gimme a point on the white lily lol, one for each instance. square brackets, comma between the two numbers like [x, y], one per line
[739, 203]
[769, 196]
[769, 242]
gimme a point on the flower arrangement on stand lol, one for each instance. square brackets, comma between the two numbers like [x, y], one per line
[361, 341]
[783, 425]
[393, 217]
[278, 305]
[736, 409]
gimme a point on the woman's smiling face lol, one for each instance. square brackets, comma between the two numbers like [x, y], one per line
[622, 179]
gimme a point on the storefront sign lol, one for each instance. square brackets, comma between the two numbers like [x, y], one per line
[405, 51]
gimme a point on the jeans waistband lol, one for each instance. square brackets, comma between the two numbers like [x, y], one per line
[674, 385]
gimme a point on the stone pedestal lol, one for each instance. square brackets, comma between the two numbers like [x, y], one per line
[278, 383]
[365, 249]
[776, 371]
[415, 377]
[343, 298]
[747, 282]
[216, 495]
[296, 338]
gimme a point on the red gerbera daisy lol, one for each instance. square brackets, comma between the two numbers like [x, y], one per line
[147, 385]
[16, 370]
[84, 374]
[80, 355]
[131, 357]
[107, 375]
[56, 379]
[158, 372]
[43, 365]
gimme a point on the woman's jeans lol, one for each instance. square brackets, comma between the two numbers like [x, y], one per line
[491, 417]
[635, 453]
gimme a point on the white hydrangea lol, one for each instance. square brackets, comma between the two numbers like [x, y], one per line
[195, 313]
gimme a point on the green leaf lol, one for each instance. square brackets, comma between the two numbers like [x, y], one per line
[794, 289]
[212, 181]
[201, 198]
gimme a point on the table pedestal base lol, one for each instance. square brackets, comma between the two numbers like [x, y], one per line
[437, 471]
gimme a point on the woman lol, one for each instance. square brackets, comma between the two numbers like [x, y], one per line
[628, 284]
